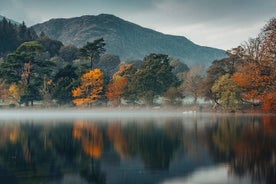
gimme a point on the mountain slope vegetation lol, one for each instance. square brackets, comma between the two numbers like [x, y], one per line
[128, 40]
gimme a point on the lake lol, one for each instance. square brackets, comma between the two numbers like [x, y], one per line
[135, 147]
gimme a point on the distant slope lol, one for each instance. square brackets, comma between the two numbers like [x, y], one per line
[12, 21]
[128, 40]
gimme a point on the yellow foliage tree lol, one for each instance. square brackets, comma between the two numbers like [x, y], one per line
[15, 92]
[90, 88]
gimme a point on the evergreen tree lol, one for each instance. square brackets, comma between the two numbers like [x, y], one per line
[93, 50]
[153, 78]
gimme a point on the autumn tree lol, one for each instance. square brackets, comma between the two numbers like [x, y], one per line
[16, 91]
[90, 89]
[117, 87]
[193, 82]
[173, 96]
[93, 50]
[256, 76]
[219, 68]
[269, 65]
[227, 92]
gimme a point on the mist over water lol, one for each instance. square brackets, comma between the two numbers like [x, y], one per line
[69, 114]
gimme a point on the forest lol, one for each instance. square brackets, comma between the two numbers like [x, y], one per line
[37, 70]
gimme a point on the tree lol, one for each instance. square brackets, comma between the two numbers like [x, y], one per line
[256, 75]
[173, 96]
[193, 82]
[16, 91]
[179, 67]
[28, 66]
[52, 46]
[93, 50]
[68, 53]
[90, 89]
[153, 78]
[116, 89]
[63, 83]
[4, 91]
[227, 92]
[109, 64]
[219, 68]
[12, 35]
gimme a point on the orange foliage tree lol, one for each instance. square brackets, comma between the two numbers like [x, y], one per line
[117, 87]
[256, 75]
[90, 89]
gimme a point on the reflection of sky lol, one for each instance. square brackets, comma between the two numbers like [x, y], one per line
[133, 171]
[71, 179]
[210, 175]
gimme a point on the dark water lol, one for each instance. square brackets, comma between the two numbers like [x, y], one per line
[173, 149]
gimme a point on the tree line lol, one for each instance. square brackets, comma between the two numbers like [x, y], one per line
[47, 71]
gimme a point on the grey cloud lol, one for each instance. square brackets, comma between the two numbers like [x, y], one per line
[165, 15]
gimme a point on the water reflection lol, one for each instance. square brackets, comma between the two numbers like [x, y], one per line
[153, 150]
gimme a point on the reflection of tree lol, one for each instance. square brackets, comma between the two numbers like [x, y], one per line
[23, 154]
[91, 138]
[226, 136]
[62, 141]
[91, 171]
[249, 146]
[152, 144]
[115, 133]
[42, 153]
[9, 134]
[255, 152]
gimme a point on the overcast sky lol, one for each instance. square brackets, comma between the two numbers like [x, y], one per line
[216, 23]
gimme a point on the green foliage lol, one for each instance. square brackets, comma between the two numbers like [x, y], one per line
[64, 82]
[28, 65]
[68, 53]
[12, 35]
[227, 91]
[109, 64]
[52, 46]
[93, 50]
[178, 66]
[153, 78]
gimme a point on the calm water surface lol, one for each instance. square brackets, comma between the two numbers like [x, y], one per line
[132, 148]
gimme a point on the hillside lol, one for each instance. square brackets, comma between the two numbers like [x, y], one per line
[128, 40]
[12, 21]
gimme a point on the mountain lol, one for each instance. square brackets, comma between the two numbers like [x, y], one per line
[12, 21]
[126, 39]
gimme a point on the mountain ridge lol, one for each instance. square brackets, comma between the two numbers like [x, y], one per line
[8, 19]
[126, 39]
